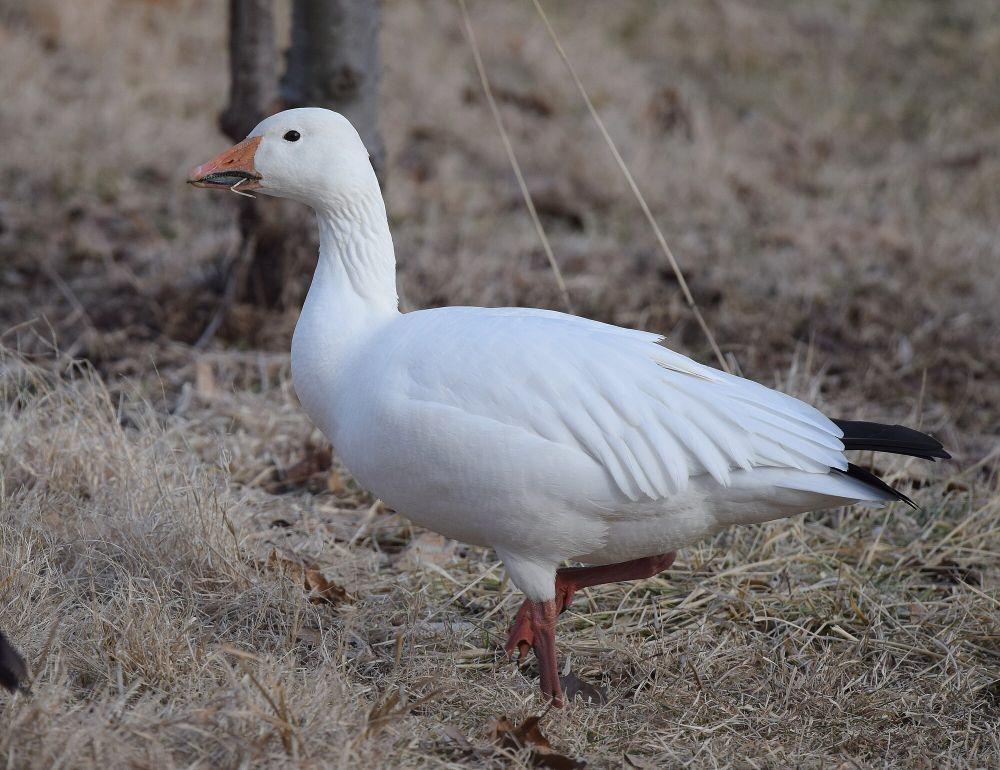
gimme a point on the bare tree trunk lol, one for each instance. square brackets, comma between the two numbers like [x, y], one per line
[253, 59]
[253, 95]
[333, 63]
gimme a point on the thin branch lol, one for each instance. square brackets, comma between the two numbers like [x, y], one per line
[688, 297]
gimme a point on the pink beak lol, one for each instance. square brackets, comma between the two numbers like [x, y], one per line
[233, 167]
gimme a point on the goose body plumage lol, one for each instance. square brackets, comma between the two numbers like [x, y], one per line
[551, 437]
[546, 436]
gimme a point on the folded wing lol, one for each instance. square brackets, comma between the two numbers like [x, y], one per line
[653, 419]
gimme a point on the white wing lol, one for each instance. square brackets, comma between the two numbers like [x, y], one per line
[651, 417]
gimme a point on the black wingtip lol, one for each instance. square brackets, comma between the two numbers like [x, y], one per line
[869, 478]
[894, 439]
[13, 670]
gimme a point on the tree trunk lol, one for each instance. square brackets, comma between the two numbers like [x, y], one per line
[253, 95]
[253, 59]
[333, 63]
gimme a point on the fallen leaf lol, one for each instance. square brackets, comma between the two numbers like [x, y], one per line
[278, 563]
[948, 571]
[325, 591]
[315, 583]
[573, 687]
[311, 470]
[528, 735]
[426, 548]
[316, 460]
[457, 736]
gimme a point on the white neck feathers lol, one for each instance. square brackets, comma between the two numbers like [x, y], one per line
[352, 297]
[356, 253]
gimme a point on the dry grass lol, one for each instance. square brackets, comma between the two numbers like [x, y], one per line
[141, 544]
[828, 176]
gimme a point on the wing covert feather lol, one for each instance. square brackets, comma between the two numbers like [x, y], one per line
[650, 417]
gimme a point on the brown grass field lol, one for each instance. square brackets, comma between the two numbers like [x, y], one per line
[196, 582]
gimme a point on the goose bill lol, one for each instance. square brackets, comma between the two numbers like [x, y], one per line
[234, 166]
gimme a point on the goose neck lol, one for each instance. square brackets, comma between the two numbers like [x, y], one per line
[356, 258]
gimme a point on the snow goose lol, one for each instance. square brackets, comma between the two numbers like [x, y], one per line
[545, 436]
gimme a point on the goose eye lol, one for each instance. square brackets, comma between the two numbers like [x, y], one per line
[292, 136]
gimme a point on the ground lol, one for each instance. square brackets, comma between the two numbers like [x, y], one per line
[196, 581]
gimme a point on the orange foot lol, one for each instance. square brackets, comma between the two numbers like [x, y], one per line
[521, 636]
[534, 624]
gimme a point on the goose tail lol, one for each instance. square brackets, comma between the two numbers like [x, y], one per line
[892, 439]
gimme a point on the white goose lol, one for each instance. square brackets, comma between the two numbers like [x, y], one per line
[543, 435]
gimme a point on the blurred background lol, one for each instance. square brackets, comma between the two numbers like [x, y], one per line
[828, 174]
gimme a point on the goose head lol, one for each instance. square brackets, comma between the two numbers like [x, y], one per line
[310, 155]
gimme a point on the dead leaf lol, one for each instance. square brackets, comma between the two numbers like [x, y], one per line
[312, 470]
[634, 760]
[315, 583]
[573, 686]
[948, 571]
[277, 563]
[528, 735]
[426, 548]
[316, 460]
[457, 736]
[325, 591]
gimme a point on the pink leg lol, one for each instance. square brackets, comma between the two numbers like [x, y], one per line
[543, 624]
[534, 624]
